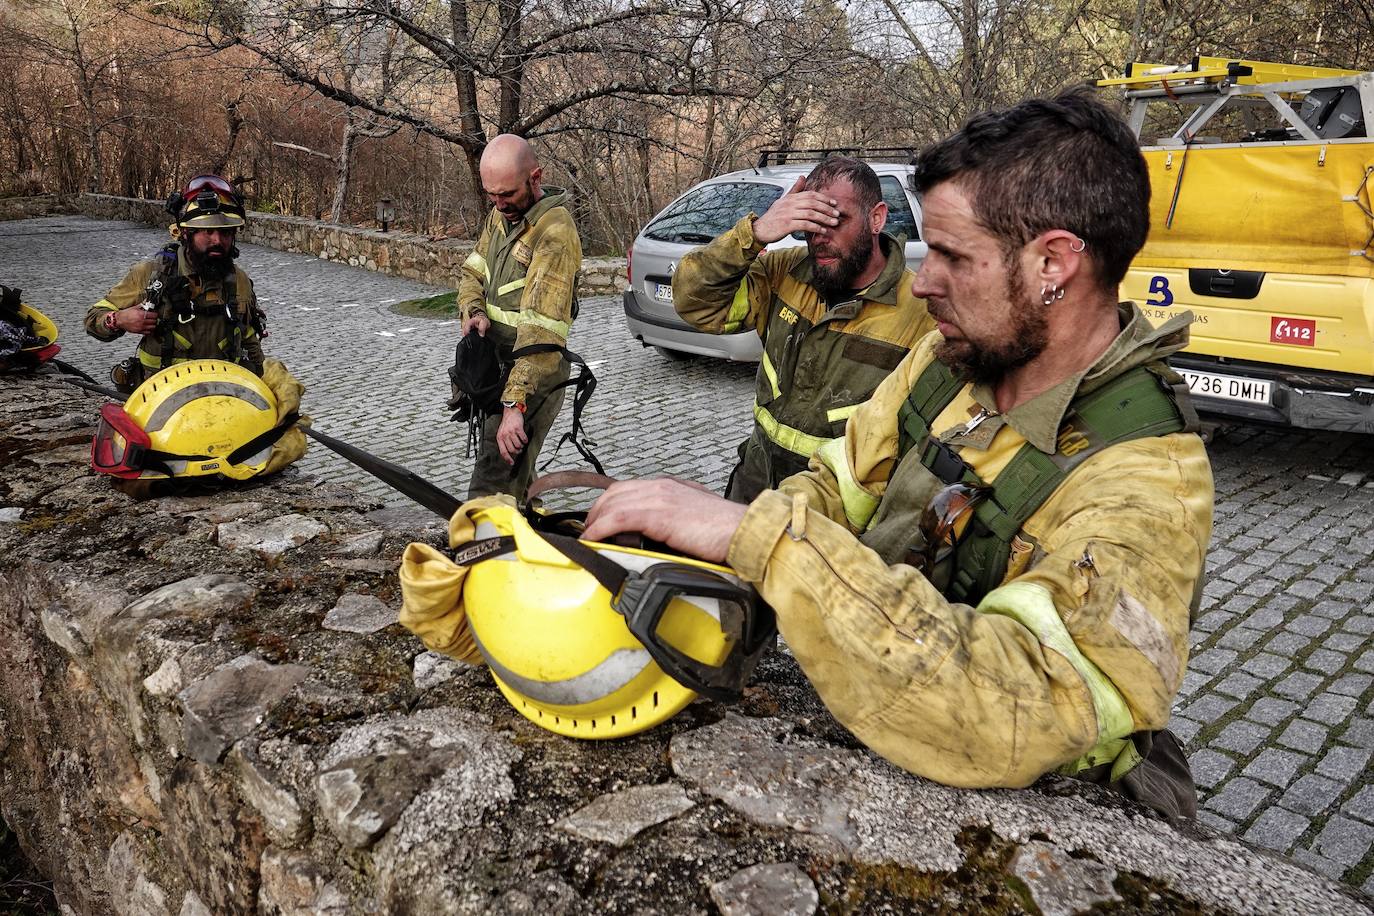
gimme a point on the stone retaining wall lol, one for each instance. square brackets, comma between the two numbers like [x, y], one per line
[206, 706]
[401, 254]
[41, 205]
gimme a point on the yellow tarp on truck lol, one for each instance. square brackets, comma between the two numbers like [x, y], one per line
[1276, 207]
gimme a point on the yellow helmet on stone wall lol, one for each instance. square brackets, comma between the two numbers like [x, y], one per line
[597, 641]
[44, 330]
[28, 338]
[205, 416]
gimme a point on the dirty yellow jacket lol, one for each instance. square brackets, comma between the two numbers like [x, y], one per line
[820, 361]
[1085, 641]
[523, 276]
[207, 336]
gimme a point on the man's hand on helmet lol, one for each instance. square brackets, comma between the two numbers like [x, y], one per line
[683, 516]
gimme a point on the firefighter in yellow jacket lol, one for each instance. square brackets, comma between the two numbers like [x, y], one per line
[835, 317]
[519, 286]
[190, 301]
[990, 576]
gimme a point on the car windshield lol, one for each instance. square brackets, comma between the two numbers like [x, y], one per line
[707, 211]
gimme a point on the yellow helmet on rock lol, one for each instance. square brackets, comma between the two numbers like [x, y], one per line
[597, 641]
[205, 416]
[28, 338]
[43, 327]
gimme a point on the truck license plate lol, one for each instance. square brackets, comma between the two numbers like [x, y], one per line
[663, 292]
[1226, 387]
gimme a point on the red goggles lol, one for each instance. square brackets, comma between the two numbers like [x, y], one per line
[214, 183]
[120, 444]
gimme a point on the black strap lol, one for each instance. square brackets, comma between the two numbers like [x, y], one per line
[609, 574]
[69, 369]
[168, 309]
[263, 440]
[405, 481]
[238, 455]
[231, 315]
[583, 385]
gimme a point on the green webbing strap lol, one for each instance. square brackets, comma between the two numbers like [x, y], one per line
[932, 393]
[166, 318]
[231, 314]
[1136, 405]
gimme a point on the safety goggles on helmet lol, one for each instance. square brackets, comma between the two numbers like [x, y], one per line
[644, 597]
[207, 202]
[120, 445]
[598, 640]
[205, 416]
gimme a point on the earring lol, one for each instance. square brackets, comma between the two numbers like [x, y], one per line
[1050, 292]
[1077, 246]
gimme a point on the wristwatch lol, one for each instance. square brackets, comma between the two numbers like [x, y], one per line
[518, 405]
[112, 321]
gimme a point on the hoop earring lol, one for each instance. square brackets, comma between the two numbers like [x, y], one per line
[1077, 246]
[1050, 293]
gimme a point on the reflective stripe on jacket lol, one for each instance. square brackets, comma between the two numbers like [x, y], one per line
[1085, 642]
[524, 276]
[818, 363]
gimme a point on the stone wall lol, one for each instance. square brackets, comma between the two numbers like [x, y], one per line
[402, 254]
[207, 707]
[40, 205]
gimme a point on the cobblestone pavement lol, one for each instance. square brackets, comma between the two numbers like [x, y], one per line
[1277, 708]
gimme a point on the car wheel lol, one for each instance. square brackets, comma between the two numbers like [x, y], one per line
[676, 356]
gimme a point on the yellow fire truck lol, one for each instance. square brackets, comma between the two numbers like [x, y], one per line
[1262, 223]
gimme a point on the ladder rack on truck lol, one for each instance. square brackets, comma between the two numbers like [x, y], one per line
[1214, 82]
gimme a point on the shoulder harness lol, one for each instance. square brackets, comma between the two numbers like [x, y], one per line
[1143, 402]
[175, 306]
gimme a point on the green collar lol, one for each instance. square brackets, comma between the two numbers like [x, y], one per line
[1039, 419]
[553, 197]
[883, 289]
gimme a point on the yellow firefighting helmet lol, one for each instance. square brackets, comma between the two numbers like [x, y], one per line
[207, 202]
[42, 327]
[596, 641]
[28, 338]
[206, 416]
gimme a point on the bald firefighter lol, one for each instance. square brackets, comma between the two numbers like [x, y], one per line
[835, 316]
[519, 287]
[190, 301]
[991, 576]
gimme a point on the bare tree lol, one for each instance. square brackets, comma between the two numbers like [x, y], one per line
[473, 68]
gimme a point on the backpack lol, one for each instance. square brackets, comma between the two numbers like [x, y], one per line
[475, 378]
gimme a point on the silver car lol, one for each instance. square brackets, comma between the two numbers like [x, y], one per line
[706, 211]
